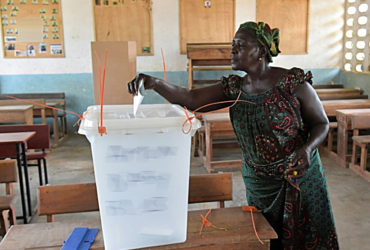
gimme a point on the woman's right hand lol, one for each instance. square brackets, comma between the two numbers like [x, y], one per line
[133, 86]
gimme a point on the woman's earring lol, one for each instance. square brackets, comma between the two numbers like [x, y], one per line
[260, 59]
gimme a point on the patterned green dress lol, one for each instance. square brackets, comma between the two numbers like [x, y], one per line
[268, 132]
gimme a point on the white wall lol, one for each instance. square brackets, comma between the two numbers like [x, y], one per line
[326, 22]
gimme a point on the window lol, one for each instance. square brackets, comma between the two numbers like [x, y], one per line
[356, 56]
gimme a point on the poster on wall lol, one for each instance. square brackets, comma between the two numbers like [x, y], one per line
[32, 28]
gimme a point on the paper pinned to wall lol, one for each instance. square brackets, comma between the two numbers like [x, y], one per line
[30, 29]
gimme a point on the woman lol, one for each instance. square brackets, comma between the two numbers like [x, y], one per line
[278, 130]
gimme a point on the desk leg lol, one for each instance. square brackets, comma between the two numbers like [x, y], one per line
[342, 144]
[21, 187]
[26, 177]
[55, 128]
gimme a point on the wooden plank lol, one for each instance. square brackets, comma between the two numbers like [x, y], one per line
[291, 18]
[340, 91]
[210, 187]
[324, 97]
[331, 106]
[199, 24]
[327, 86]
[126, 21]
[122, 69]
[70, 198]
[361, 121]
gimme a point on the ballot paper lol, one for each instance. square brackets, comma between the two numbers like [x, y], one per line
[138, 99]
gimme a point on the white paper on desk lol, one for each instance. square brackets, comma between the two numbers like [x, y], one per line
[138, 99]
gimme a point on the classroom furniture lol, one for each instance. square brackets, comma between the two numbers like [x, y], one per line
[8, 175]
[125, 21]
[217, 125]
[332, 128]
[73, 198]
[240, 233]
[340, 94]
[38, 145]
[196, 17]
[327, 86]
[360, 121]
[16, 114]
[36, 108]
[211, 187]
[330, 106]
[121, 68]
[13, 145]
[344, 119]
[207, 57]
[53, 100]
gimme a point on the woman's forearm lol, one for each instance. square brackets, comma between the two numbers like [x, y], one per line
[317, 135]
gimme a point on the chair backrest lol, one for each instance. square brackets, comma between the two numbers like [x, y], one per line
[211, 187]
[69, 198]
[73, 198]
[39, 141]
[8, 174]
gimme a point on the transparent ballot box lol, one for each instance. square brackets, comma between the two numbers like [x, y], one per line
[141, 168]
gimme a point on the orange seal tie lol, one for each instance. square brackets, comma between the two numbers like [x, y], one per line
[101, 129]
[207, 223]
[253, 209]
[188, 119]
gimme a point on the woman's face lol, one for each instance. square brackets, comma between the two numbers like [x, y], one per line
[245, 51]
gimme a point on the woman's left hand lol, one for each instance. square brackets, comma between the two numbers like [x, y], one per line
[300, 162]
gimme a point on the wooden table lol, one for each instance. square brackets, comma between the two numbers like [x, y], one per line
[16, 114]
[240, 234]
[340, 94]
[344, 119]
[19, 141]
[331, 106]
[217, 125]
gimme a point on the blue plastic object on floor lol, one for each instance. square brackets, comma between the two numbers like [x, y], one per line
[81, 238]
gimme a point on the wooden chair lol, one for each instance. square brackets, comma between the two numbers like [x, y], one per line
[8, 175]
[73, 198]
[362, 141]
[40, 143]
[210, 188]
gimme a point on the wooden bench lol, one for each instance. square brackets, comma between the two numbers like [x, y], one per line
[340, 94]
[53, 100]
[37, 110]
[327, 86]
[218, 125]
[73, 198]
[50, 98]
[362, 141]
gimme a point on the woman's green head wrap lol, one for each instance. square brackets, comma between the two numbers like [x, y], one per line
[265, 36]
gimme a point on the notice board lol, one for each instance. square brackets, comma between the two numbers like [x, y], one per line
[32, 28]
[291, 18]
[125, 20]
[203, 21]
